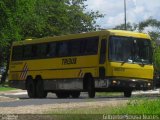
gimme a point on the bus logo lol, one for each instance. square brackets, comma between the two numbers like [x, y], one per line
[24, 72]
[68, 61]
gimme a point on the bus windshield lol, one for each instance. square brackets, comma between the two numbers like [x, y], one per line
[131, 50]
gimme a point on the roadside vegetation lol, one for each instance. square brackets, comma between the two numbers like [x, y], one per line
[109, 94]
[138, 106]
[6, 88]
[134, 106]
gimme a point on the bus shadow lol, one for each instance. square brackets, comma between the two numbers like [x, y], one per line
[84, 97]
[80, 98]
[96, 98]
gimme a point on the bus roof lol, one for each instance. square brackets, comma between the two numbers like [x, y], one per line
[83, 35]
[129, 34]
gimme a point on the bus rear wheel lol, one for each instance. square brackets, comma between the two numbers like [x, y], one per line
[75, 94]
[41, 93]
[30, 86]
[91, 87]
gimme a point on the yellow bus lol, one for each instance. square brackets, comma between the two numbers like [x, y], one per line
[101, 61]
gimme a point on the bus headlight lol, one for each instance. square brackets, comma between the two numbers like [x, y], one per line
[149, 84]
[133, 80]
[114, 82]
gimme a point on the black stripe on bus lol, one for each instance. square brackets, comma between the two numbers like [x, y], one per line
[58, 69]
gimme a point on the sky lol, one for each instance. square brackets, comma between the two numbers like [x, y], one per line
[137, 10]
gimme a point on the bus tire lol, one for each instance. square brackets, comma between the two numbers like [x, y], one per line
[40, 92]
[127, 93]
[62, 94]
[31, 90]
[91, 87]
[75, 94]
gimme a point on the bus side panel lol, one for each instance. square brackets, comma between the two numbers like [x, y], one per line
[55, 73]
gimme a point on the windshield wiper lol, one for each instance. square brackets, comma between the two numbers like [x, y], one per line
[124, 61]
[127, 61]
[142, 61]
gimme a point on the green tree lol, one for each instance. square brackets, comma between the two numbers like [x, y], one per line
[154, 24]
[129, 26]
[64, 17]
[21, 19]
[154, 32]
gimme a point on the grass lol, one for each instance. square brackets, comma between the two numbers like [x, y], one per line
[5, 88]
[101, 110]
[139, 106]
[109, 94]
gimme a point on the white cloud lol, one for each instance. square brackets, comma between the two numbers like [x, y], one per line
[137, 10]
[148, 29]
[135, 2]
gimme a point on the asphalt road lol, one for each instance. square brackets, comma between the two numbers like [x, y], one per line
[21, 99]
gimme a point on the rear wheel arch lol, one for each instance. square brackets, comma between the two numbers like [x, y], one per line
[38, 77]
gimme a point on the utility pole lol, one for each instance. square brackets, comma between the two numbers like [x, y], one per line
[125, 15]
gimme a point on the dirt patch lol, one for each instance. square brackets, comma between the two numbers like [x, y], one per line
[43, 109]
[11, 91]
[3, 98]
[6, 99]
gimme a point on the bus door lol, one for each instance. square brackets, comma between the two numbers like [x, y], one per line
[102, 59]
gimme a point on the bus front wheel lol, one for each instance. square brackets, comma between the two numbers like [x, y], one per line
[127, 93]
[91, 87]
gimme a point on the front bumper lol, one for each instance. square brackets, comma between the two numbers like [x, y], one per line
[133, 84]
[113, 84]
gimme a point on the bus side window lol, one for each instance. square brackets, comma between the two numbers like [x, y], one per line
[27, 51]
[52, 50]
[75, 47]
[63, 49]
[34, 54]
[17, 53]
[82, 46]
[91, 46]
[41, 50]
